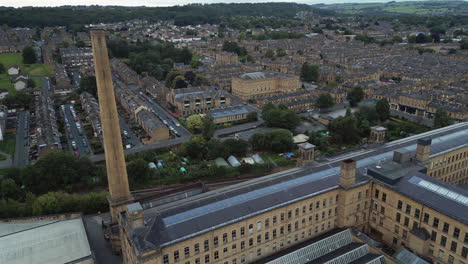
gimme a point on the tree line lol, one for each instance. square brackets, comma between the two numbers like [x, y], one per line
[182, 15]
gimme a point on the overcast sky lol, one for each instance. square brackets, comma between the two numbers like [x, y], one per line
[19, 3]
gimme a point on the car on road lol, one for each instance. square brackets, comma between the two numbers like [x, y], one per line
[175, 123]
[165, 122]
[74, 146]
[125, 134]
[85, 144]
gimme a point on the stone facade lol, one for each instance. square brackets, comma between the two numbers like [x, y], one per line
[257, 84]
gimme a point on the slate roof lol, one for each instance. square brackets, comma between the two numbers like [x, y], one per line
[178, 221]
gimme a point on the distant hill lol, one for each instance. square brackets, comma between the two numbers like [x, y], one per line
[182, 15]
[406, 7]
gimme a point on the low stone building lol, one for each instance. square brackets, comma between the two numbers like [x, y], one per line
[197, 100]
[229, 114]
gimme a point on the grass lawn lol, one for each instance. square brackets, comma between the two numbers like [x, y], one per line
[7, 145]
[37, 70]
[6, 84]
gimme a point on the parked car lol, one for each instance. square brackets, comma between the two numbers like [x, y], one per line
[85, 144]
[77, 154]
[74, 147]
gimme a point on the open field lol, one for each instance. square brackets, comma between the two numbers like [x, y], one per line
[37, 70]
[414, 7]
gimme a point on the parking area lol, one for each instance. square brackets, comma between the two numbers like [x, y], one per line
[129, 138]
[21, 156]
[77, 142]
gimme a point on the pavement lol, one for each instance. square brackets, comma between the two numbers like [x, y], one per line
[81, 149]
[21, 156]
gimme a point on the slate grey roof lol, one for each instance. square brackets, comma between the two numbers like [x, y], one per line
[228, 111]
[178, 221]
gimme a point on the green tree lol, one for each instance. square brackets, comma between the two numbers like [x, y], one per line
[18, 100]
[138, 171]
[9, 190]
[280, 52]
[59, 171]
[46, 204]
[80, 44]
[383, 109]
[281, 140]
[343, 130]
[194, 149]
[309, 72]
[397, 39]
[2, 69]
[31, 83]
[215, 148]
[29, 55]
[171, 76]
[325, 100]
[195, 123]
[355, 96]
[236, 147]
[185, 56]
[442, 119]
[179, 82]
[88, 84]
[421, 38]
[464, 44]
[208, 128]
[252, 116]
[280, 116]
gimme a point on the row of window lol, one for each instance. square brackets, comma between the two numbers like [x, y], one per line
[312, 207]
[225, 251]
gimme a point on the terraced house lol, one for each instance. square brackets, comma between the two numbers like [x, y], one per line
[292, 217]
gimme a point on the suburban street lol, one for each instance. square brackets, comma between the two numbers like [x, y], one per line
[80, 148]
[132, 138]
[161, 112]
[21, 156]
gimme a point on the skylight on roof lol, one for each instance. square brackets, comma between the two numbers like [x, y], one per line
[440, 190]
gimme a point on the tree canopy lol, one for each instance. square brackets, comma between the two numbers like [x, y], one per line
[325, 100]
[441, 118]
[355, 96]
[29, 55]
[280, 116]
[309, 72]
[383, 109]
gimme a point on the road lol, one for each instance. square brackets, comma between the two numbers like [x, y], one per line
[81, 149]
[21, 156]
[132, 138]
[75, 78]
[161, 112]
[166, 143]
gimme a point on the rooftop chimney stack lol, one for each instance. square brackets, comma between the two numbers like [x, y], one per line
[423, 150]
[348, 173]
